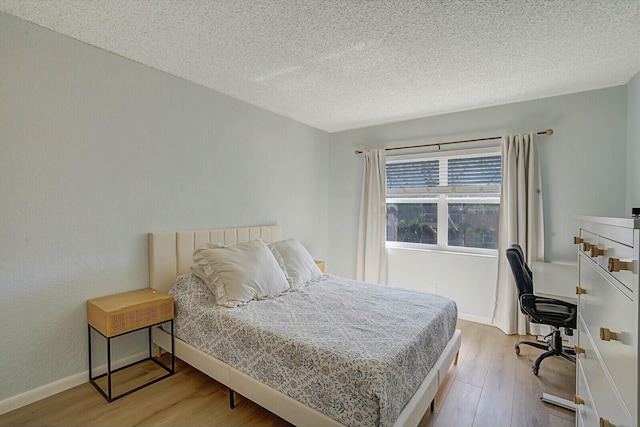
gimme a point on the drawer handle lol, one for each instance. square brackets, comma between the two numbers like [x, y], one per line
[578, 350]
[578, 400]
[596, 251]
[616, 265]
[586, 246]
[580, 291]
[608, 335]
[577, 240]
[606, 423]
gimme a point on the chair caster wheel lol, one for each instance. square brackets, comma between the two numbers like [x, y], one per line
[535, 370]
[517, 350]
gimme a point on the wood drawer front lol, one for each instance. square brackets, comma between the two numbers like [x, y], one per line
[604, 305]
[603, 395]
[613, 249]
[138, 317]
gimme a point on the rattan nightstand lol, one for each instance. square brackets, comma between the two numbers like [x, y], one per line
[121, 314]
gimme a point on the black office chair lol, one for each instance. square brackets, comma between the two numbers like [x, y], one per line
[547, 311]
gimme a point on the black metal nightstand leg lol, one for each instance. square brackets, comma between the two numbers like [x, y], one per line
[90, 363]
[109, 366]
[173, 352]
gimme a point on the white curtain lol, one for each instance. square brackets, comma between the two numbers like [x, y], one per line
[521, 222]
[372, 257]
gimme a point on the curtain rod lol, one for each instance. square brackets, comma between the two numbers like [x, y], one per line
[544, 132]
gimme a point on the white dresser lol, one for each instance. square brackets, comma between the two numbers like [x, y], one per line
[607, 349]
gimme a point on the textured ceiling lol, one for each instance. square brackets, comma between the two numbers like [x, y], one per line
[343, 64]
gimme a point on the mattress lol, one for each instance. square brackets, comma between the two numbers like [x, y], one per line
[354, 351]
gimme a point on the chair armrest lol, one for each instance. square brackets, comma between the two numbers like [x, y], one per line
[528, 307]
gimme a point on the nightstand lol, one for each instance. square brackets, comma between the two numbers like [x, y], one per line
[121, 314]
[320, 265]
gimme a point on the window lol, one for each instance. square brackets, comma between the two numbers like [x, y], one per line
[447, 201]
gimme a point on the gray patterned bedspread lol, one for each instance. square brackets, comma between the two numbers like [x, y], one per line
[356, 352]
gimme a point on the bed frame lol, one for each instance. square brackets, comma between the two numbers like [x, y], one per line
[170, 255]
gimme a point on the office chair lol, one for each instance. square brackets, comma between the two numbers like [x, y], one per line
[547, 311]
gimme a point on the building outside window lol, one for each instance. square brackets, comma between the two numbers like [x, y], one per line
[444, 201]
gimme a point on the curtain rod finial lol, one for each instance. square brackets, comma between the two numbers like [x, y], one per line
[358, 152]
[548, 132]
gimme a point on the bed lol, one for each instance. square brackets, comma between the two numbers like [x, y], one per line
[170, 258]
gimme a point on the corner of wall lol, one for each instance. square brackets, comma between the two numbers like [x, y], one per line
[633, 143]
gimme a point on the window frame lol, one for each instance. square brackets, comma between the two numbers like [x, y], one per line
[443, 199]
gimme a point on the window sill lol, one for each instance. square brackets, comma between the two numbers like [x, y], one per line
[484, 253]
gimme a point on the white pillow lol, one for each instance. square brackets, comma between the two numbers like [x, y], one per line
[296, 262]
[238, 274]
[198, 270]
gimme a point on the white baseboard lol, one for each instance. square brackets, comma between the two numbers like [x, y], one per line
[23, 399]
[474, 318]
[28, 397]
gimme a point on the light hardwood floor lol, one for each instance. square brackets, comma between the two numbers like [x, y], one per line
[490, 386]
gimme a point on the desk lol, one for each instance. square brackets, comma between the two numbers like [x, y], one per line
[555, 280]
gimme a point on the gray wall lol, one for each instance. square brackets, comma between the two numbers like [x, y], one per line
[633, 144]
[583, 162]
[95, 152]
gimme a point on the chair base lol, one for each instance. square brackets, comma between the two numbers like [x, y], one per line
[554, 348]
[558, 401]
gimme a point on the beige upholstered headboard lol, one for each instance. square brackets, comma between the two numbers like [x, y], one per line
[170, 252]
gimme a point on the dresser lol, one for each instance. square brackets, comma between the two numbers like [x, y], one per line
[607, 349]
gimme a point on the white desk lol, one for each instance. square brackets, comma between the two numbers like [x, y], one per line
[555, 280]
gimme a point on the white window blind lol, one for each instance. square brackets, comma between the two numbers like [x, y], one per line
[471, 174]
